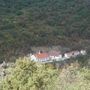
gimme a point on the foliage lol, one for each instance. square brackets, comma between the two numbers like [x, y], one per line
[28, 75]
[24, 23]
[73, 78]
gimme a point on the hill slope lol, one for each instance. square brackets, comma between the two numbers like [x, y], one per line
[42, 22]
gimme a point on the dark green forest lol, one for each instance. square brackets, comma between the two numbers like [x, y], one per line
[26, 23]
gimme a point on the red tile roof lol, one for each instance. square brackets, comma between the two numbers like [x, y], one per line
[42, 55]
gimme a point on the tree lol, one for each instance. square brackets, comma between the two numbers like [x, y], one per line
[28, 75]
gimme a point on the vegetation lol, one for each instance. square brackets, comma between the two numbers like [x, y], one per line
[27, 75]
[25, 23]
[73, 78]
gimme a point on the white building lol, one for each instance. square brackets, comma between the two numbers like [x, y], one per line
[83, 52]
[71, 54]
[55, 55]
[40, 57]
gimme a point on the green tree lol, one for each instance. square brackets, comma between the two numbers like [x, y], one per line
[28, 75]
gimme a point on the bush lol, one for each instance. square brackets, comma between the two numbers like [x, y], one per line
[73, 78]
[28, 75]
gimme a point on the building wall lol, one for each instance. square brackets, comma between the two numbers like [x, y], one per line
[33, 58]
[83, 52]
[44, 59]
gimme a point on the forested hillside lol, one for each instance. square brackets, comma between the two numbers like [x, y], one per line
[25, 23]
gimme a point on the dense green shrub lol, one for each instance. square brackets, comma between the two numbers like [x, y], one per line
[28, 75]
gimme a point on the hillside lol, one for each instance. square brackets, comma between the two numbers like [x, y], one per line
[25, 23]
